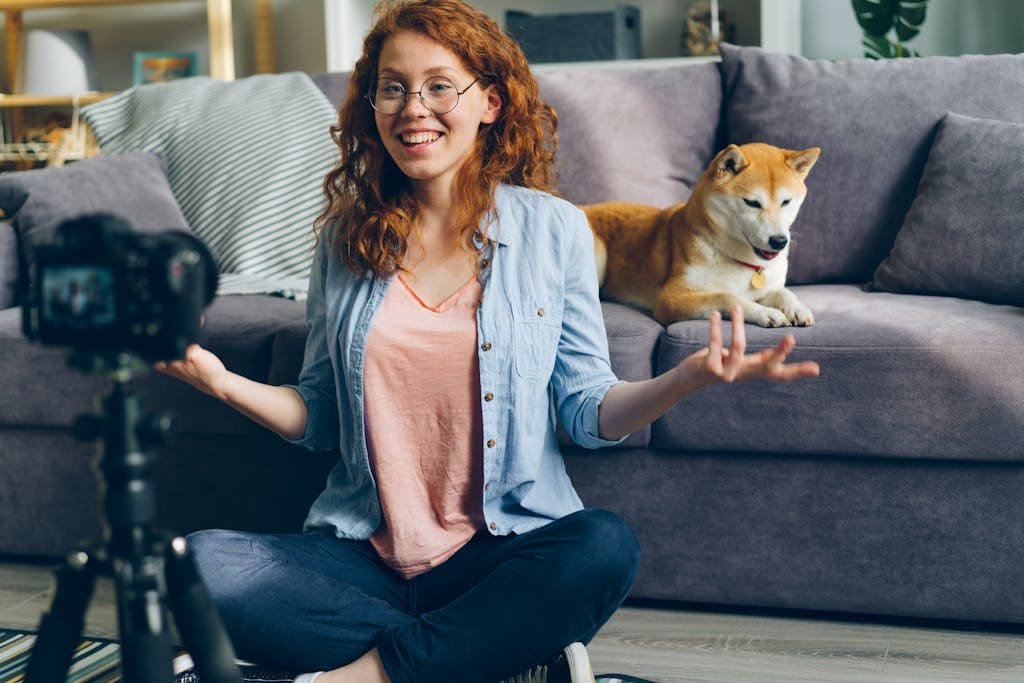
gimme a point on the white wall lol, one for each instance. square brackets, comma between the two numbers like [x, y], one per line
[952, 27]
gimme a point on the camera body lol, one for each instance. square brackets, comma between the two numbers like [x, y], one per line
[100, 286]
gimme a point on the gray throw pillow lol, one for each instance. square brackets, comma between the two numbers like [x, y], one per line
[964, 234]
[874, 121]
[131, 186]
[637, 135]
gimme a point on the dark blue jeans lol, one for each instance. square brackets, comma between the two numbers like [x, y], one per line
[500, 605]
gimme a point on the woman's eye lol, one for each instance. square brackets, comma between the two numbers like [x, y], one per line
[440, 88]
[390, 89]
[753, 203]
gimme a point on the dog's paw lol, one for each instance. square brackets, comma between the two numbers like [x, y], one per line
[799, 315]
[766, 317]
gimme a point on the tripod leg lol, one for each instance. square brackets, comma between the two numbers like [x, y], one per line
[146, 650]
[197, 618]
[61, 627]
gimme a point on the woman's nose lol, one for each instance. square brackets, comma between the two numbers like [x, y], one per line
[414, 106]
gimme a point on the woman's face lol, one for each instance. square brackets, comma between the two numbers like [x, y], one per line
[429, 148]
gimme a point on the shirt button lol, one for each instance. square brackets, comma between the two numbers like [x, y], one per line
[540, 312]
[488, 396]
[491, 443]
[484, 263]
[486, 346]
[494, 526]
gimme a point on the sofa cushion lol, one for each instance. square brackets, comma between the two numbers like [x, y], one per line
[901, 376]
[977, 253]
[46, 393]
[132, 186]
[874, 121]
[628, 134]
[334, 86]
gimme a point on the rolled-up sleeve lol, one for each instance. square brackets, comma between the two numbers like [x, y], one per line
[317, 385]
[583, 373]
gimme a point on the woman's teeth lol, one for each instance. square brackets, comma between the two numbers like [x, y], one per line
[419, 138]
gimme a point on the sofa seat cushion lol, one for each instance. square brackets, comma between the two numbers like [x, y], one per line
[901, 376]
[239, 329]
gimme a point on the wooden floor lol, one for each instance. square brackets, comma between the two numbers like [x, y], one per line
[673, 645]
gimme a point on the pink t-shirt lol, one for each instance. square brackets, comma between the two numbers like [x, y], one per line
[424, 426]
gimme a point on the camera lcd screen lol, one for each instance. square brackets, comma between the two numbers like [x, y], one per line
[78, 298]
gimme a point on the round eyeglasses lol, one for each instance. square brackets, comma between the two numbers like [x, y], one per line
[438, 94]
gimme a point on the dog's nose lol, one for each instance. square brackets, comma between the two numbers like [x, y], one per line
[778, 242]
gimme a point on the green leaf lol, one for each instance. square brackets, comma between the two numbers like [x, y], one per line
[875, 16]
[878, 47]
[910, 17]
[878, 17]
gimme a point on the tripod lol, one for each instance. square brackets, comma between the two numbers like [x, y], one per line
[151, 573]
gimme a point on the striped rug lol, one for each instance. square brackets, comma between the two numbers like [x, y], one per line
[95, 660]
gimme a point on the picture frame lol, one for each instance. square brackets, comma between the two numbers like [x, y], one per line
[163, 65]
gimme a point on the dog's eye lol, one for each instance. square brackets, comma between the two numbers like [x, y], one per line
[785, 202]
[753, 203]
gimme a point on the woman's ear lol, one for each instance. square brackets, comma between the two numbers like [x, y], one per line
[493, 108]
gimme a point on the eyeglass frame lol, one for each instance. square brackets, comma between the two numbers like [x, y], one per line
[419, 93]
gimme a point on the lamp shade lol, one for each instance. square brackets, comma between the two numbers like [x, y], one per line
[57, 63]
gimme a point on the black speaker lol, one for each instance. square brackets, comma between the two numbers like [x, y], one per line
[578, 36]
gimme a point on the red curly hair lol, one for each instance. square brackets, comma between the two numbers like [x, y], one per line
[368, 200]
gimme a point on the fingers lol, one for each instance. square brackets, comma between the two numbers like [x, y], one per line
[774, 366]
[713, 360]
[737, 347]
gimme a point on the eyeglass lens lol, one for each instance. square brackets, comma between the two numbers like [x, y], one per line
[438, 94]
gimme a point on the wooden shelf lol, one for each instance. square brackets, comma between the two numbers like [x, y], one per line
[222, 66]
[43, 4]
[8, 101]
[218, 19]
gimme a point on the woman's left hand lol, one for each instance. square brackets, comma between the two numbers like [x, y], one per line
[717, 364]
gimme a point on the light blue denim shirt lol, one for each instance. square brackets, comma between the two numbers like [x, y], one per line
[543, 354]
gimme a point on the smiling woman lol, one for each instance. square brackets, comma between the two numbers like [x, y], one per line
[453, 311]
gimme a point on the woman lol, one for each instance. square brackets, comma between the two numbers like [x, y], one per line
[452, 309]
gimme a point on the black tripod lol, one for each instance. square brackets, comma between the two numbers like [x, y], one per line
[150, 573]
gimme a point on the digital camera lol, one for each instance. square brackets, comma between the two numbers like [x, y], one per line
[101, 286]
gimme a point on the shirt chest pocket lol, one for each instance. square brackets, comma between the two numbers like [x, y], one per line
[536, 329]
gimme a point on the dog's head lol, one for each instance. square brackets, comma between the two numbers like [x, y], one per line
[752, 193]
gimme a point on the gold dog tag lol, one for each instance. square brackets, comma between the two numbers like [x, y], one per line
[758, 279]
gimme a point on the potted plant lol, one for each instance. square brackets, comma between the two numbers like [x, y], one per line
[878, 17]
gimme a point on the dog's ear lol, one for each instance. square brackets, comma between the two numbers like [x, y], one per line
[729, 162]
[802, 161]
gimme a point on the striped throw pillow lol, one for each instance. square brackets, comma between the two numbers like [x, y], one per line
[246, 161]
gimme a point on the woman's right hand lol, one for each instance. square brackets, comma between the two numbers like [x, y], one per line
[200, 368]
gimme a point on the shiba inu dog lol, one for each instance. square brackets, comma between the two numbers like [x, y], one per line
[729, 243]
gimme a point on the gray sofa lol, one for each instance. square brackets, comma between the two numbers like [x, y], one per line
[891, 485]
